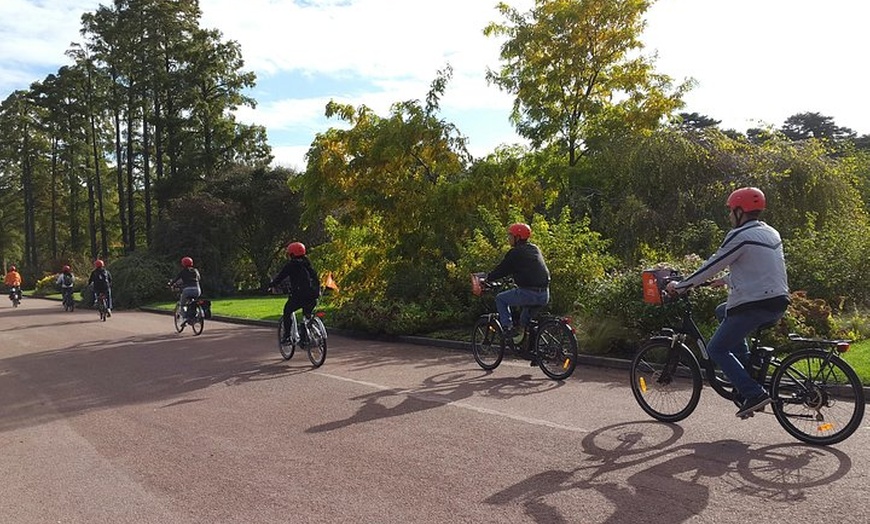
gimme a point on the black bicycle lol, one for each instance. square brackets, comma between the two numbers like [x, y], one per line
[547, 340]
[316, 339]
[189, 312]
[103, 305]
[69, 303]
[817, 397]
[15, 295]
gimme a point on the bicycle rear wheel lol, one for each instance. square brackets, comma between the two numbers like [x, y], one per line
[286, 349]
[101, 306]
[487, 344]
[316, 342]
[666, 381]
[198, 321]
[556, 349]
[816, 398]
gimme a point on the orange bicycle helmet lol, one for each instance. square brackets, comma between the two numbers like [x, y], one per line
[187, 262]
[520, 230]
[748, 199]
[296, 249]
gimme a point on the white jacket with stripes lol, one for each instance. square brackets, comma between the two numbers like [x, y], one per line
[753, 254]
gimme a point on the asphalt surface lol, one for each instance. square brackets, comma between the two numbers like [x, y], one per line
[127, 421]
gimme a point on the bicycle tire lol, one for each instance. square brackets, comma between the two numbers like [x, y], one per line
[101, 306]
[556, 349]
[286, 350]
[179, 319]
[817, 402]
[666, 381]
[198, 321]
[487, 343]
[316, 342]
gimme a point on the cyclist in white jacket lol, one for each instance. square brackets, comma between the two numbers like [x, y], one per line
[758, 292]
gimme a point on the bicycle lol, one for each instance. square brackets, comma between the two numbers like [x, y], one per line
[316, 345]
[817, 396]
[15, 296]
[103, 305]
[547, 340]
[182, 317]
[69, 303]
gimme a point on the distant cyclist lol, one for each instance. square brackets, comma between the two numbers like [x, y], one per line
[13, 282]
[188, 279]
[101, 280]
[525, 263]
[65, 281]
[757, 291]
[303, 284]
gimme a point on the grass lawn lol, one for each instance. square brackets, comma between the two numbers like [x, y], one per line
[254, 308]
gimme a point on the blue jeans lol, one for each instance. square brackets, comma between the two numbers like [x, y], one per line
[728, 348]
[519, 297]
[188, 295]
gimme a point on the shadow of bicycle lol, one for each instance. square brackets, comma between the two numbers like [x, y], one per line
[641, 474]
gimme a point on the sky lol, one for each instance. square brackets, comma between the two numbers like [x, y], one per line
[755, 62]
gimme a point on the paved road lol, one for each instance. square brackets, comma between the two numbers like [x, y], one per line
[127, 421]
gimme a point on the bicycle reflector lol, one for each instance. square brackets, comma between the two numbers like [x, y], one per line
[842, 346]
[320, 314]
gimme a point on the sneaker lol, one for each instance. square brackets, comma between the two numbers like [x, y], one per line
[750, 406]
[108, 312]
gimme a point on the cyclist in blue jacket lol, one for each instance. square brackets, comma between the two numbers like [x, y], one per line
[758, 292]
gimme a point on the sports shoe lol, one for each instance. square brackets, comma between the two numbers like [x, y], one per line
[108, 312]
[750, 406]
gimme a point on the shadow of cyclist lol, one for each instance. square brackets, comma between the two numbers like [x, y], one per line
[438, 390]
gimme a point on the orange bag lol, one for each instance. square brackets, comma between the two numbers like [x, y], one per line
[654, 284]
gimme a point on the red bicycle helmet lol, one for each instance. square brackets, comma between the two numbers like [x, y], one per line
[99, 263]
[187, 262]
[520, 230]
[748, 199]
[66, 269]
[296, 249]
[12, 268]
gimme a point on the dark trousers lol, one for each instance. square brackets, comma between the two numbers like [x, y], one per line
[306, 304]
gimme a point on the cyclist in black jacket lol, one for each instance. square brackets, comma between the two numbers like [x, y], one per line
[303, 285]
[525, 263]
[188, 279]
[101, 280]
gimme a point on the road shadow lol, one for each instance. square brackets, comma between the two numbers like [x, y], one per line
[646, 476]
[436, 391]
[40, 387]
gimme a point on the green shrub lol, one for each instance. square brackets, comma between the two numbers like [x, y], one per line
[140, 278]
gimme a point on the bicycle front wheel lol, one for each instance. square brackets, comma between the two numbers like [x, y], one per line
[198, 321]
[102, 308]
[317, 343]
[487, 344]
[817, 398]
[286, 348]
[666, 381]
[556, 350]
[179, 318]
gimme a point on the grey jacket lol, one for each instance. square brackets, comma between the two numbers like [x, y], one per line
[753, 253]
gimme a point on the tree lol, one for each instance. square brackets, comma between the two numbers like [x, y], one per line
[803, 126]
[576, 73]
[697, 121]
